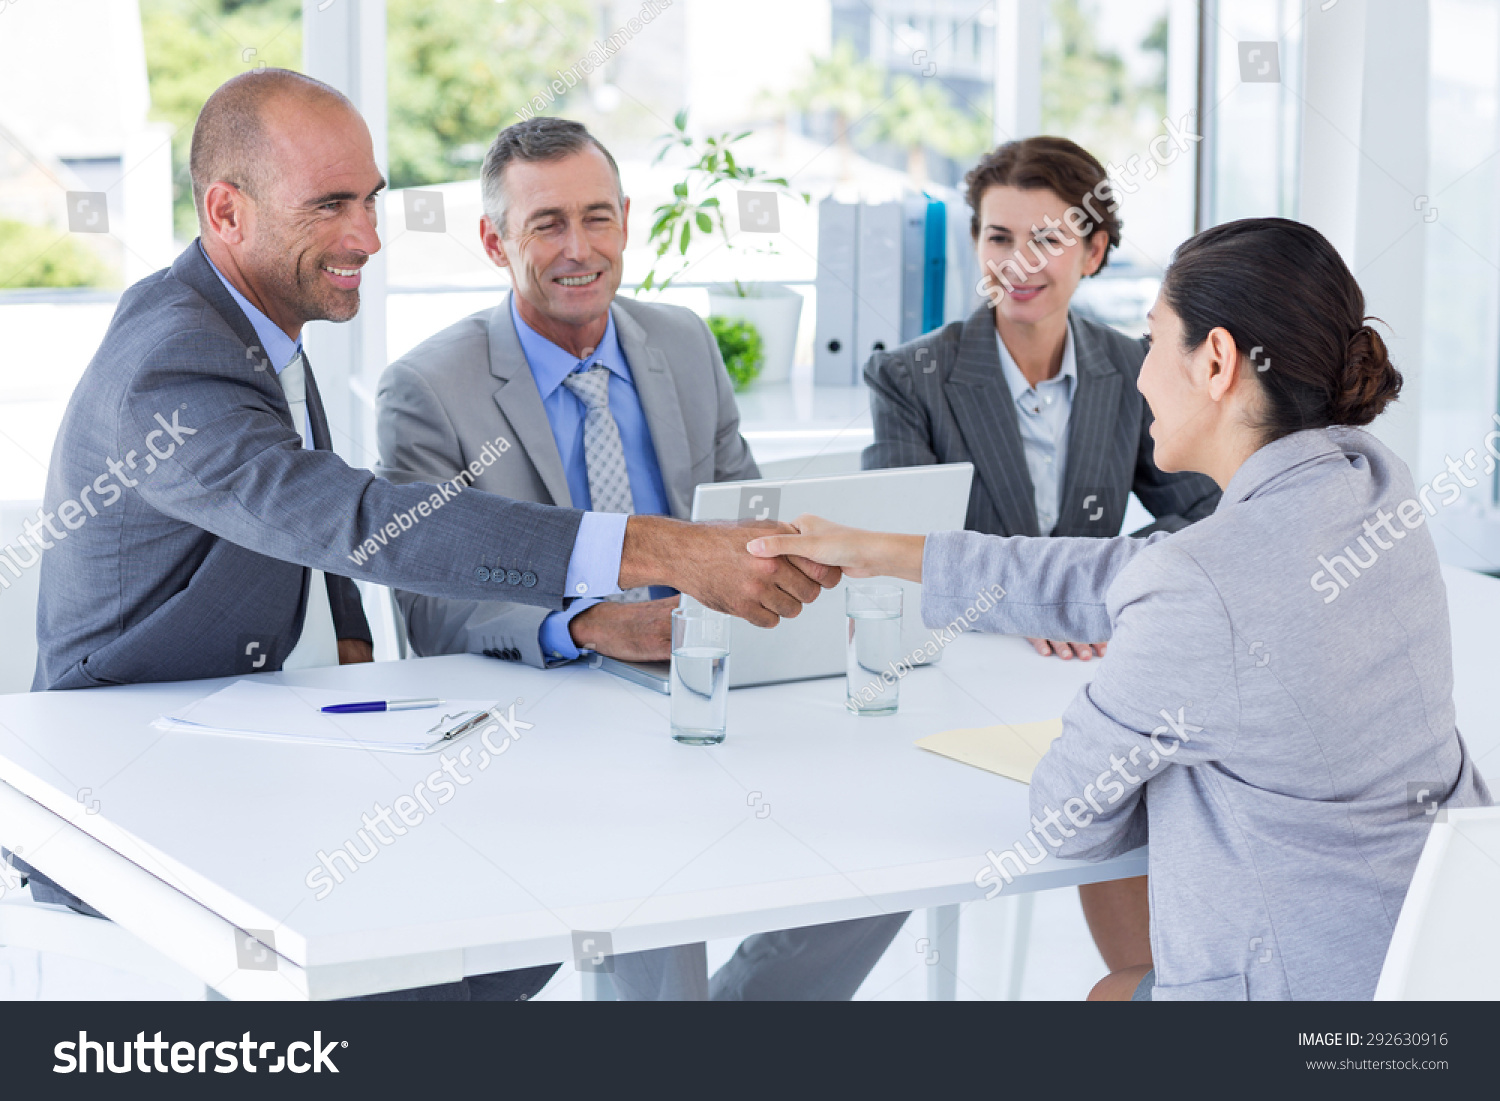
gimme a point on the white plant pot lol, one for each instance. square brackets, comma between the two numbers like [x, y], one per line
[775, 310]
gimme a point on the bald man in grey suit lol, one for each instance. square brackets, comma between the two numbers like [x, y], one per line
[513, 379]
[222, 532]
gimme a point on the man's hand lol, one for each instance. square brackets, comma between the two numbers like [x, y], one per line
[1067, 650]
[353, 651]
[630, 632]
[709, 561]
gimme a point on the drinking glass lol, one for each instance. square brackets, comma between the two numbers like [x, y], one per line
[873, 686]
[700, 675]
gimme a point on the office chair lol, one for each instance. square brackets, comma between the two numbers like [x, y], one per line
[18, 597]
[1445, 947]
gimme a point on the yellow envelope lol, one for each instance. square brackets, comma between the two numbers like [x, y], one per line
[1013, 751]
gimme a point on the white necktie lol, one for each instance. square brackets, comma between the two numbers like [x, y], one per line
[604, 454]
[319, 644]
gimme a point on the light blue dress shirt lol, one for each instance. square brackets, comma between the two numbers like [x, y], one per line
[550, 364]
[1042, 413]
[594, 567]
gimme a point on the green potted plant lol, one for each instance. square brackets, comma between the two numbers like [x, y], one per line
[740, 345]
[772, 309]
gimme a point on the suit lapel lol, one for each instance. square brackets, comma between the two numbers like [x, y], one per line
[193, 268]
[657, 389]
[521, 403]
[1095, 410]
[986, 414]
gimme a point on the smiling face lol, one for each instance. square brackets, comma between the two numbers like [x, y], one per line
[563, 244]
[1032, 284]
[310, 225]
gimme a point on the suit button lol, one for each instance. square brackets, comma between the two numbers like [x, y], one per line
[513, 654]
[513, 577]
[481, 574]
[528, 579]
[491, 653]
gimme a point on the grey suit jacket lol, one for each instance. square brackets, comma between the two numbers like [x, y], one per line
[194, 513]
[470, 385]
[942, 398]
[1268, 730]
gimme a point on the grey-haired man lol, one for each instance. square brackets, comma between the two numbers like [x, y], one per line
[613, 404]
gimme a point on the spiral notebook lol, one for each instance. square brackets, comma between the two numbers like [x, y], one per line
[282, 713]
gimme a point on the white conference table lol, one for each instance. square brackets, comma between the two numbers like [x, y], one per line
[593, 821]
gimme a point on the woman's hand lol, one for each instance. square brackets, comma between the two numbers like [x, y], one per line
[859, 553]
[1066, 650]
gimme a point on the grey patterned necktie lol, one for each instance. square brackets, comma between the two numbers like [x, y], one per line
[604, 454]
[293, 379]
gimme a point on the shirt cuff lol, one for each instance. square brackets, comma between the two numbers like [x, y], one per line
[594, 568]
[556, 639]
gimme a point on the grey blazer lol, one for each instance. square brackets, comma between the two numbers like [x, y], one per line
[194, 513]
[942, 398]
[1270, 731]
[470, 385]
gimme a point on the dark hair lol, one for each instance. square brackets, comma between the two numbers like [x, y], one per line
[541, 138]
[1288, 299]
[1057, 165]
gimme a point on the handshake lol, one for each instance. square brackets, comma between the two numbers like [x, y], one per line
[709, 562]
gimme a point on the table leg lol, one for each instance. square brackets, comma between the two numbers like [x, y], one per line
[1022, 908]
[598, 986]
[942, 953]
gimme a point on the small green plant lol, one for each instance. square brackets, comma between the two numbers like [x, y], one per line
[693, 207]
[741, 346]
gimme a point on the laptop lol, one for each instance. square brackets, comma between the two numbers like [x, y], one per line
[912, 500]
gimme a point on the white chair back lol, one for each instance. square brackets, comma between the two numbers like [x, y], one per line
[1446, 946]
[18, 596]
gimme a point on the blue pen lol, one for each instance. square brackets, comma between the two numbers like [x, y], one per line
[380, 705]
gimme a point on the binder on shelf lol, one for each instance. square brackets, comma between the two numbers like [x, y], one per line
[961, 274]
[877, 311]
[887, 273]
[913, 265]
[833, 343]
[935, 264]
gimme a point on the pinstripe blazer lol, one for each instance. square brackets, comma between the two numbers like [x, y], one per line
[942, 398]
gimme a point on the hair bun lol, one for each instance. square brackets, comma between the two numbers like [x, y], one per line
[1368, 383]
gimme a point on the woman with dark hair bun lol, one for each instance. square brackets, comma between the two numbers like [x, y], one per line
[1272, 695]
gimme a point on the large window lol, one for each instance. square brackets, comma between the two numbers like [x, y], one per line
[1463, 238]
[1116, 79]
[1252, 103]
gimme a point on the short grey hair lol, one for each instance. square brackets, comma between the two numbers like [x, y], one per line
[543, 138]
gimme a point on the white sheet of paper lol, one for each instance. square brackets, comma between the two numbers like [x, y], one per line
[1012, 751]
[249, 710]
